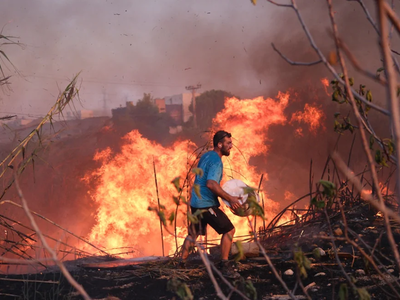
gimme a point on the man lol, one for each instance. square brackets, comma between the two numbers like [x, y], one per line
[210, 190]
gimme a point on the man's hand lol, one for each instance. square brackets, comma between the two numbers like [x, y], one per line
[216, 189]
[234, 202]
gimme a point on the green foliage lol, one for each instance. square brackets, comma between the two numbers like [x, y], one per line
[329, 188]
[343, 292]
[180, 289]
[254, 206]
[303, 263]
[171, 218]
[371, 142]
[196, 189]
[240, 254]
[177, 183]
[317, 203]
[380, 158]
[198, 171]
[363, 294]
[250, 290]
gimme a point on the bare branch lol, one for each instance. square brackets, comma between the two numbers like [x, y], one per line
[295, 63]
[356, 112]
[63, 269]
[279, 4]
[328, 65]
[384, 11]
[356, 64]
[55, 224]
[366, 196]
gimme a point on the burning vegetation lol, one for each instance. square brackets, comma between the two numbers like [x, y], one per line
[128, 195]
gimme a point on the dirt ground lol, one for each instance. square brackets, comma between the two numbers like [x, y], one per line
[104, 277]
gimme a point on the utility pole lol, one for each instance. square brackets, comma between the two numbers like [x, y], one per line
[193, 88]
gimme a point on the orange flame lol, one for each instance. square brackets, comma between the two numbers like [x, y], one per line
[325, 83]
[127, 188]
[312, 116]
[126, 184]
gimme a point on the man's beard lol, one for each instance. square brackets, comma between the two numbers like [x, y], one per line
[225, 151]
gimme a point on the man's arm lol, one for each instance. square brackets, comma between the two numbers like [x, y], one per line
[217, 190]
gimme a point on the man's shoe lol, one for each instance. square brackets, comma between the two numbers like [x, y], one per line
[227, 270]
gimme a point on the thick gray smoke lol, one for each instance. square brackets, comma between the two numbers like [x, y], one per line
[126, 48]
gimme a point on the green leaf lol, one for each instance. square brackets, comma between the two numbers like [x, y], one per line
[371, 141]
[192, 218]
[248, 190]
[176, 200]
[198, 171]
[161, 215]
[391, 147]
[171, 218]
[343, 292]
[336, 114]
[251, 291]
[255, 207]
[302, 261]
[368, 96]
[363, 294]
[378, 72]
[351, 81]
[177, 183]
[240, 254]
[180, 288]
[196, 189]
[329, 188]
[335, 96]
[320, 204]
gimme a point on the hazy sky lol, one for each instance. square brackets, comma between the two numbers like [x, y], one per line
[127, 47]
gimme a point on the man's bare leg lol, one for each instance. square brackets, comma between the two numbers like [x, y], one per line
[226, 243]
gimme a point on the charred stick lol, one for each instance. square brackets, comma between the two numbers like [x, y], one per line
[159, 206]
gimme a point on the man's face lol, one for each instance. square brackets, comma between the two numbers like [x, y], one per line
[226, 146]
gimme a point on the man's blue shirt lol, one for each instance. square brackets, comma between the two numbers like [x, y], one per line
[211, 164]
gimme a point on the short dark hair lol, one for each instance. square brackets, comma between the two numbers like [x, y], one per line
[219, 136]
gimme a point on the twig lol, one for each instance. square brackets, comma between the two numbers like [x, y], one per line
[295, 63]
[158, 201]
[325, 61]
[63, 269]
[55, 224]
[383, 11]
[382, 19]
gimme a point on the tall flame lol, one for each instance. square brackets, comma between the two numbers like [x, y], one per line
[126, 184]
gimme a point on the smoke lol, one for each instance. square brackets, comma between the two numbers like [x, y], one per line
[126, 48]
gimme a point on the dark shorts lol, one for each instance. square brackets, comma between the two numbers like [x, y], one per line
[214, 217]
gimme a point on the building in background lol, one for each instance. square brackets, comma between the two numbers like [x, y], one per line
[183, 100]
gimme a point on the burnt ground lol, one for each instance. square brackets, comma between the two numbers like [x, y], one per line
[103, 277]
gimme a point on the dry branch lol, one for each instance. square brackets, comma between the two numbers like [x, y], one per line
[63, 269]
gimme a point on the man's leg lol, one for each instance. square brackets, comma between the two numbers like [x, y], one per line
[226, 243]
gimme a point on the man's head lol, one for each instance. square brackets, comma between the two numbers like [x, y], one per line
[222, 142]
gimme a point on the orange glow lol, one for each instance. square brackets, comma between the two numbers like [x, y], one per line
[126, 188]
[125, 185]
[312, 116]
[325, 83]
[248, 120]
